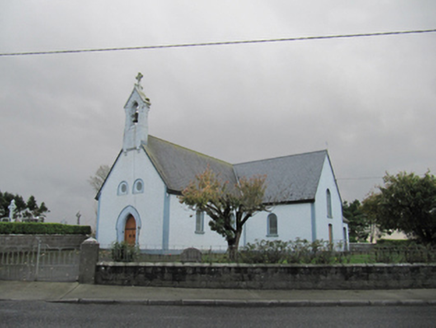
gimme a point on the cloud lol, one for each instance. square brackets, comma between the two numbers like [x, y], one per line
[370, 101]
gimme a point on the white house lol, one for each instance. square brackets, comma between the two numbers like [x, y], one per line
[138, 201]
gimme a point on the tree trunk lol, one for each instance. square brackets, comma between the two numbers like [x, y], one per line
[233, 245]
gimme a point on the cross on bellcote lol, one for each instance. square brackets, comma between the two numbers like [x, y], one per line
[138, 78]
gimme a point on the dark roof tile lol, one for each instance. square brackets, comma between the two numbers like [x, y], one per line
[289, 179]
[178, 165]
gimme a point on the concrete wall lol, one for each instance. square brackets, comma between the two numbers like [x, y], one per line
[377, 276]
[30, 241]
[182, 229]
[293, 221]
[361, 247]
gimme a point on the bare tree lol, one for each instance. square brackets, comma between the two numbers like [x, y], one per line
[97, 180]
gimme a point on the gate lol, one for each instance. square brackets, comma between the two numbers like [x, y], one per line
[40, 263]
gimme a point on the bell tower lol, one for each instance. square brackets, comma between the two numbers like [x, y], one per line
[136, 109]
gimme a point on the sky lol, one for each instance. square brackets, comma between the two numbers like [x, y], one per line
[370, 101]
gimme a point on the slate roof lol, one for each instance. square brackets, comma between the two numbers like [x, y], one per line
[178, 165]
[289, 179]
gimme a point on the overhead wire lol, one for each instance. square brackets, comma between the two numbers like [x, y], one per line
[219, 43]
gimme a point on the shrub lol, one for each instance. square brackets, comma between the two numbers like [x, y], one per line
[396, 242]
[413, 253]
[33, 228]
[124, 252]
[265, 251]
[298, 251]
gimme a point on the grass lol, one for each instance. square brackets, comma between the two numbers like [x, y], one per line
[360, 259]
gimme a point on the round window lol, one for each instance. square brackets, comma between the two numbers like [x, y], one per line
[138, 186]
[123, 188]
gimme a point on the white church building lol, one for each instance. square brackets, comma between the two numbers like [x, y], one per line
[138, 202]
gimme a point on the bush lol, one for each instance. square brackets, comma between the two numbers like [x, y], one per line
[413, 253]
[265, 251]
[396, 242]
[298, 251]
[33, 228]
[124, 252]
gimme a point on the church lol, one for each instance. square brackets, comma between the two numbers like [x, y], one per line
[138, 202]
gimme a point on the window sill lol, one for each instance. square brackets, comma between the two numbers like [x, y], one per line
[199, 232]
[272, 235]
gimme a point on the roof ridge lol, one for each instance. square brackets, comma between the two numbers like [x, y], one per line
[191, 151]
[284, 156]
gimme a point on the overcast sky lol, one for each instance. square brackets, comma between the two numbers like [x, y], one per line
[369, 101]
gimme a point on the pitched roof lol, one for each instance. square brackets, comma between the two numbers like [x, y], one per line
[178, 165]
[289, 179]
[141, 94]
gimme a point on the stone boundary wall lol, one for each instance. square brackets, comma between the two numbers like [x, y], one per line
[247, 276]
[11, 242]
[361, 247]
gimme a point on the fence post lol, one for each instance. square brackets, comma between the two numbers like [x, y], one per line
[38, 254]
[88, 260]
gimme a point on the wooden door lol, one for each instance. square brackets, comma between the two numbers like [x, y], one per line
[130, 231]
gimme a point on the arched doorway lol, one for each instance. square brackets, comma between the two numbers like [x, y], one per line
[130, 230]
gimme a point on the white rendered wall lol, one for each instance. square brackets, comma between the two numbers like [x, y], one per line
[182, 229]
[130, 166]
[293, 221]
[327, 181]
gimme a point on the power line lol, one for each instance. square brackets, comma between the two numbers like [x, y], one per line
[221, 43]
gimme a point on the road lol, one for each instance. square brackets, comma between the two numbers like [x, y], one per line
[44, 314]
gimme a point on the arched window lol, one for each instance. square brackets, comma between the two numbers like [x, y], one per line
[272, 225]
[135, 115]
[123, 188]
[138, 186]
[199, 222]
[329, 203]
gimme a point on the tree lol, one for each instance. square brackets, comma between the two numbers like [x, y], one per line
[370, 207]
[358, 223]
[97, 180]
[229, 207]
[29, 209]
[406, 202]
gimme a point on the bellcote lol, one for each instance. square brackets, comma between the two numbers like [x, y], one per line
[136, 109]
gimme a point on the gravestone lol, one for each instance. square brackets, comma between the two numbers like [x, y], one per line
[191, 255]
[12, 208]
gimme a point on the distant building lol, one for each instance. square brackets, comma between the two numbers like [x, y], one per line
[138, 201]
[375, 235]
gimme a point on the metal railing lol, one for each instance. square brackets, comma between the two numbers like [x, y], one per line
[40, 263]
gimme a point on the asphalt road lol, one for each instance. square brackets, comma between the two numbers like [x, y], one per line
[44, 314]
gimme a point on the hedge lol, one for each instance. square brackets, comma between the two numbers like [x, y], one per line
[396, 242]
[35, 228]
